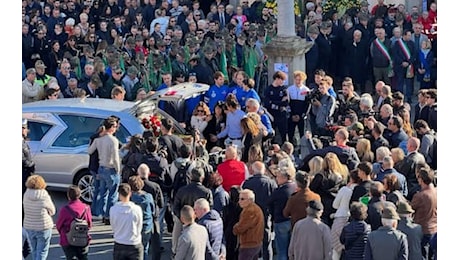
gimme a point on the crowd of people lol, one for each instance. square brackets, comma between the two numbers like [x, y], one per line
[266, 169]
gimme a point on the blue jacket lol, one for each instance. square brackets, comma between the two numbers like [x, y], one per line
[278, 200]
[354, 238]
[215, 94]
[263, 187]
[145, 201]
[215, 227]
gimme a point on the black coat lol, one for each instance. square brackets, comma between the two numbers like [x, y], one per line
[356, 61]
[399, 57]
[324, 51]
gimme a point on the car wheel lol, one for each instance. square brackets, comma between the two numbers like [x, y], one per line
[84, 181]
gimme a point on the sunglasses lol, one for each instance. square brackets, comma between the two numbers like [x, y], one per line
[119, 72]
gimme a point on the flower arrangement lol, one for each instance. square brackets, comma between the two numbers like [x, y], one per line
[341, 6]
[272, 4]
[152, 123]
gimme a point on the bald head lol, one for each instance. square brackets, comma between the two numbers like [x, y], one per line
[258, 167]
[413, 144]
[143, 170]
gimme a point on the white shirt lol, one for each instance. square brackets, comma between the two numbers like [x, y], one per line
[342, 201]
[297, 93]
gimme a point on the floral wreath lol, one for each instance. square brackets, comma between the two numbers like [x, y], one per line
[152, 123]
[341, 6]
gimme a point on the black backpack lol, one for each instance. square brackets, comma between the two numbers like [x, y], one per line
[182, 177]
[79, 228]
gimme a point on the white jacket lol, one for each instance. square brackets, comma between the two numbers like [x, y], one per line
[38, 210]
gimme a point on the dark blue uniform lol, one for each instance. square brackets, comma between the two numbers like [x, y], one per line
[278, 108]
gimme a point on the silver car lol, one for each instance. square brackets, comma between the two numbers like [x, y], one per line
[60, 130]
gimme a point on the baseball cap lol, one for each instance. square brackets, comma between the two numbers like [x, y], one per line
[358, 126]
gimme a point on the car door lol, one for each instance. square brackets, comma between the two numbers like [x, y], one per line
[44, 127]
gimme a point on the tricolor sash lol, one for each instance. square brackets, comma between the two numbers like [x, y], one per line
[406, 51]
[383, 49]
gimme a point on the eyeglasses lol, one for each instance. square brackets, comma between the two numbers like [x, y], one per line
[166, 39]
[246, 24]
[244, 2]
[66, 68]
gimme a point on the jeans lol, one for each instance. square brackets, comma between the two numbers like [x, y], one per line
[282, 238]
[146, 242]
[128, 252]
[95, 208]
[427, 252]
[161, 216]
[109, 181]
[40, 243]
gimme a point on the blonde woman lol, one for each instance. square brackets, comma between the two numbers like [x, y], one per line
[363, 149]
[38, 212]
[328, 182]
[251, 136]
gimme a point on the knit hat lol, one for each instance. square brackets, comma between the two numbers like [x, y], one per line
[390, 213]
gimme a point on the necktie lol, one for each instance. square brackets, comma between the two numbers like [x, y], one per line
[222, 20]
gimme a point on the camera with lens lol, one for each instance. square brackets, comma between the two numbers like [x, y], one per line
[313, 95]
[368, 114]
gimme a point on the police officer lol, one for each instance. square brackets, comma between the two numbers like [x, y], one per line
[277, 101]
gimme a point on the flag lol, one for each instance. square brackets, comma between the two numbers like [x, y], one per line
[223, 64]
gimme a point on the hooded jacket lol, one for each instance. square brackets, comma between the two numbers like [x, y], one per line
[38, 210]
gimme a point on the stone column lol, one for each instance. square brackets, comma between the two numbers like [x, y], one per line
[286, 47]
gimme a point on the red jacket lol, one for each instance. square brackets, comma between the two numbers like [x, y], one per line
[65, 218]
[232, 172]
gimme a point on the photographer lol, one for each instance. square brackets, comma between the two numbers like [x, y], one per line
[347, 100]
[323, 108]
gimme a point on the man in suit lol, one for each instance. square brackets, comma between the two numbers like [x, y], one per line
[409, 164]
[403, 62]
[312, 55]
[221, 16]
